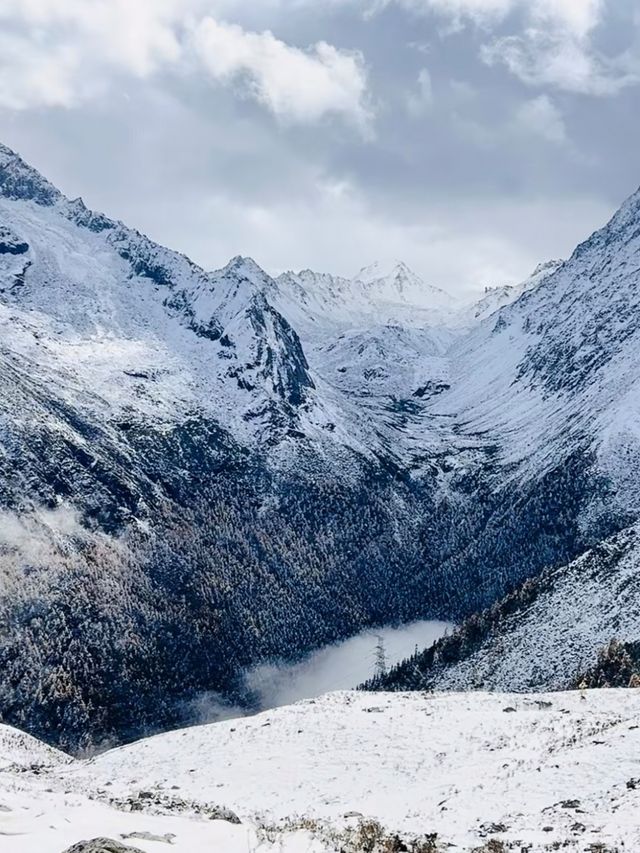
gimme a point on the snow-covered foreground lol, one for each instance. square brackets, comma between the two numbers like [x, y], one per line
[532, 771]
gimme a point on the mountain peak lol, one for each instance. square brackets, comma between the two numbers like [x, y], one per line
[244, 262]
[394, 281]
[547, 268]
[392, 268]
[21, 182]
[246, 268]
[6, 154]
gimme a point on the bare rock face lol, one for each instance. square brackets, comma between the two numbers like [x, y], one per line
[10, 243]
[102, 845]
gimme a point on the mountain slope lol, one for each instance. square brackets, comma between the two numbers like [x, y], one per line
[552, 375]
[544, 635]
[345, 771]
[497, 297]
[558, 367]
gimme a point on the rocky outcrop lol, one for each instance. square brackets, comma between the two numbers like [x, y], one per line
[102, 845]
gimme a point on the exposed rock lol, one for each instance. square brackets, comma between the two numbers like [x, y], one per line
[167, 838]
[102, 845]
[159, 803]
[10, 244]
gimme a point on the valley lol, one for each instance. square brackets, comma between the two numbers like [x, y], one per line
[206, 472]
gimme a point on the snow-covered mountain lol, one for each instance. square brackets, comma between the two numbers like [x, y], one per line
[223, 468]
[117, 305]
[177, 481]
[349, 772]
[548, 633]
[383, 294]
[378, 340]
[555, 375]
[497, 297]
[557, 369]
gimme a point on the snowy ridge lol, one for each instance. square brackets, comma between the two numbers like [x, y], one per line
[395, 282]
[213, 334]
[235, 344]
[542, 772]
[254, 352]
[379, 295]
[19, 750]
[498, 297]
[18, 180]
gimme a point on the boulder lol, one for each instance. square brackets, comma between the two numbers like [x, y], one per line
[102, 845]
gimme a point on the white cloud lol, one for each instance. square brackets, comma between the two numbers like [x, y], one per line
[556, 49]
[59, 53]
[36, 537]
[295, 85]
[540, 116]
[340, 666]
[553, 45]
[30, 76]
[547, 58]
[577, 16]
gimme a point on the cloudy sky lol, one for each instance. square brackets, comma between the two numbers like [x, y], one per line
[471, 138]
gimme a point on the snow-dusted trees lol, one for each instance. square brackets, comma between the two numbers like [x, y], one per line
[617, 665]
[201, 561]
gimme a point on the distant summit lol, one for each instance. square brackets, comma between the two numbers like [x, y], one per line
[393, 281]
[383, 293]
